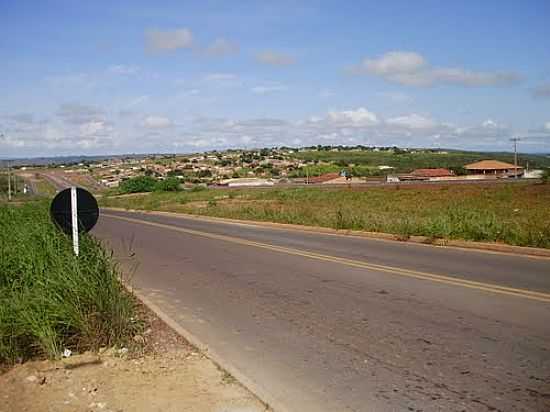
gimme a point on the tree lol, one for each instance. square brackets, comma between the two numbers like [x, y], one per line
[138, 184]
[170, 184]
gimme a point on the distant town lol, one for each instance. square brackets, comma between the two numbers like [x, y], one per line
[315, 165]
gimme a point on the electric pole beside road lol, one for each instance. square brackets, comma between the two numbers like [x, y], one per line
[515, 140]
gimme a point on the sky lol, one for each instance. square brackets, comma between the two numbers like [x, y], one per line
[104, 77]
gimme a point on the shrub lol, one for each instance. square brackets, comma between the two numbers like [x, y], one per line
[170, 184]
[138, 184]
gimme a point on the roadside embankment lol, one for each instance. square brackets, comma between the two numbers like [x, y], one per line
[510, 214]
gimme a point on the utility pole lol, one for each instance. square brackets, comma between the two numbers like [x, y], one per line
[9, 181]
[9, 174]
[515, 140]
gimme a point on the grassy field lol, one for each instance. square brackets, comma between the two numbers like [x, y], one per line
[50, 299]
[44, 187]
[517, 214]
[406, 162]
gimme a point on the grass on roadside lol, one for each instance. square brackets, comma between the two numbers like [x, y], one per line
[51, 299]
[517, 214]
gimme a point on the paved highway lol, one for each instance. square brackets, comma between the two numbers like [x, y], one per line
[338, 323]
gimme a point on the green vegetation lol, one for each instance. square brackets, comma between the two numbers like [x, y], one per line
[138, 184]
[149, 184]
[44, 188]
[517, 214]
[170, 184]
[404, 161]
[17, 184]
[51, 299]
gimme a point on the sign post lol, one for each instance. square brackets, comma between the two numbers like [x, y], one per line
[74, 210]
[74, 219]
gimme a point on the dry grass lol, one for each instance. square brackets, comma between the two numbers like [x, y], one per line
[517, 214]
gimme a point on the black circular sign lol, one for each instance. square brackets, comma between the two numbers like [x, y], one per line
[88, 211]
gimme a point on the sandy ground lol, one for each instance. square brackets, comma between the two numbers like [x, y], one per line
[161, 373]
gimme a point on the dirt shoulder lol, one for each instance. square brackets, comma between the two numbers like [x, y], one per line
[161, 371]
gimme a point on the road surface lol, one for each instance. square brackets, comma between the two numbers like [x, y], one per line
[338, 323]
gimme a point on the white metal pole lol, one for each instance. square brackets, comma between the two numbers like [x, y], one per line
[9, 181]
[74, 219]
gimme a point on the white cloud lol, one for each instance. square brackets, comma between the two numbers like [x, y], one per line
[268, 89]
[91, 128]
[412, 69]
[394, 62]
[360, 116]
[75, 113]
[412, 121]
[222, 47]
[138, 100]
[396, 97]
[123, 70]
[156, 122]
[78, 128]
[220, 77]
[325, 93]
[190, 92]
[490, 124]
[274, 58]
[169, 40]
[223, 80]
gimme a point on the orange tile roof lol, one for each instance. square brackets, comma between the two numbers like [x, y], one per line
[432, 172]
[490, 165]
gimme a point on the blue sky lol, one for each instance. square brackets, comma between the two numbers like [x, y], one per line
[121, 77]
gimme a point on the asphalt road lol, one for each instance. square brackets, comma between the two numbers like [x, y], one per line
[337, 323]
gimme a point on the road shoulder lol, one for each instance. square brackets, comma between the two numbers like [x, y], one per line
[165, 372]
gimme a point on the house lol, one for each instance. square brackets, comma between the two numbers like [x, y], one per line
[428, 174]
[431, 173]
[494, 168]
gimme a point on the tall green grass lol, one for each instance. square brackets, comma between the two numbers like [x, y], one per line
[517, 214]
[49, 298]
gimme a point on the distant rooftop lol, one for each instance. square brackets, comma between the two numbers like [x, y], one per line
[437, 172]
[490, 165]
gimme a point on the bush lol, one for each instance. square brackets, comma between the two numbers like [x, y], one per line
[138, 184]
[170, 184]
[49, 298]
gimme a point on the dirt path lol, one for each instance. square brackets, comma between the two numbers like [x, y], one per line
[163, 373]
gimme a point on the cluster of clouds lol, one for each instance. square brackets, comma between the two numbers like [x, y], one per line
[77, 128]
[412, 69]
[167, 41]
[402, 67]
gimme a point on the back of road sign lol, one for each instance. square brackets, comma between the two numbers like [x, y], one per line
[87, 208]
